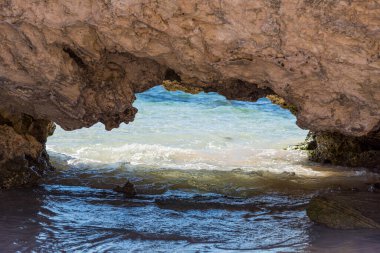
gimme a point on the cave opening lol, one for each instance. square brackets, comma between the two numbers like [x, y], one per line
[198, 142]
[198, 131]
[202, 172]
[194, 172]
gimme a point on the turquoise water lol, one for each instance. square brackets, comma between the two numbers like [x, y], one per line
[182, 131]
[212, 175]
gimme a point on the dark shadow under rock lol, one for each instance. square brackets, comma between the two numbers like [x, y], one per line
[349, 151]
[23, 157]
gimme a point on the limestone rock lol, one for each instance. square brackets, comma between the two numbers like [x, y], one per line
[23, 158]
[281, 102]
[77, 63]
[80, 62]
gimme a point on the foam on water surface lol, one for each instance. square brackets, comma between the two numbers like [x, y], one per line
[211, 175]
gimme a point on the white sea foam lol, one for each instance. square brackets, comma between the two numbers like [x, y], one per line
[186, 132]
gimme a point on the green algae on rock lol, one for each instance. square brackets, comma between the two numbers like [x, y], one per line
[177, 86]
[275, 99]
[343, 150]
[308, 144]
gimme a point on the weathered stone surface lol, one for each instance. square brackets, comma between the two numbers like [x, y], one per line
[310, 144]
[343, 150]
[346, 210]
[80, 62]
[281, 102]
[23, 158]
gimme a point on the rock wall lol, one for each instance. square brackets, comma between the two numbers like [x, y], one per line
[23, 158]
[80, 62]
[343, 150]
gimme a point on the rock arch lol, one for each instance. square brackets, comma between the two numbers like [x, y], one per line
[81, 62]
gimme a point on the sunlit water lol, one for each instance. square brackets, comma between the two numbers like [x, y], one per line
[212, 176]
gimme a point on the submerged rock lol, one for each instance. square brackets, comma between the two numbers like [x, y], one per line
[346, 210]
[128, 189]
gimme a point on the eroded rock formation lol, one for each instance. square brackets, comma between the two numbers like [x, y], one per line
[23, 158]
[343, 150]
[80, 62]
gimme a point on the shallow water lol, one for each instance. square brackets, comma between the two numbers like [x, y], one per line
[212, 176]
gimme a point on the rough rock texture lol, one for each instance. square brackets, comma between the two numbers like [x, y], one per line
[346, 210]
[281, 102]
[23, 159]
[309, 144]
[80, 62]
[343, 150]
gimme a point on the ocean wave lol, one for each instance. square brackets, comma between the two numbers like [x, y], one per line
[159, 156]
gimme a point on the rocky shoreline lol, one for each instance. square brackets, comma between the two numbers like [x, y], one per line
[346, 210]
[23, 156]
[77, 63]
[337, 149]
